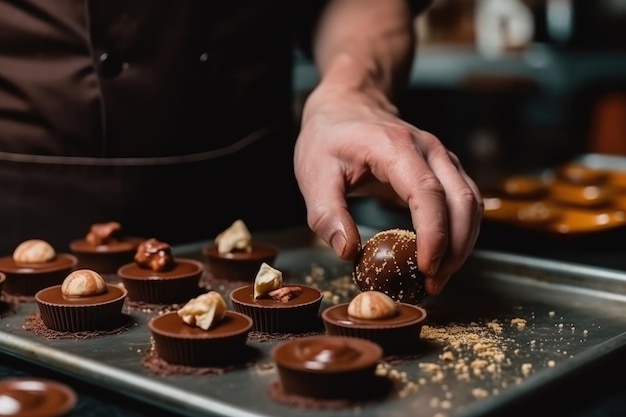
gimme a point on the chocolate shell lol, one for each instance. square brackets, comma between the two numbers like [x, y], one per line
[388, 263]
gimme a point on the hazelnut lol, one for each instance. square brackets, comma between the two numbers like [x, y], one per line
[83, 283]
[155, 255]
[204, 310]
[372, 305]
[103, 233]
[34, 251]
[267, 280]
[236, 237]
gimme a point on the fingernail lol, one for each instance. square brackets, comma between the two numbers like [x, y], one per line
[338, 243]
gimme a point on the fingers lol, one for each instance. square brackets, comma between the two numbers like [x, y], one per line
[445, 206]
[465, 210]
[327, 212]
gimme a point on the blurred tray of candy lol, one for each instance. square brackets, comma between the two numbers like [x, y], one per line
[580, 203]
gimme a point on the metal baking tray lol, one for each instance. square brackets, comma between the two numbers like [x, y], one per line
[553, 318]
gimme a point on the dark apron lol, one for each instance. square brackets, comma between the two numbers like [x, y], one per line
[177, 200]
[134, 111]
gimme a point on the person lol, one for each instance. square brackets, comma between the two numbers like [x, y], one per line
[176, 118]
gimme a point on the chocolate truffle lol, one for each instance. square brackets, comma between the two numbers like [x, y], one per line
[387, 262]
[202, 333]
[105, 248]
[374, 316]
[35, 265]
[157, 277]
[32, 397]
[327, 367]
[234, 256]
[83, 302]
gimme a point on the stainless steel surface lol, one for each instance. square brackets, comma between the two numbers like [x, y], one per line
[574, 317]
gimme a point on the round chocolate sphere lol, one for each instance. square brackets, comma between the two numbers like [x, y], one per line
[388, 263]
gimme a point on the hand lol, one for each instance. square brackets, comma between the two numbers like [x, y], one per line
[351, 138]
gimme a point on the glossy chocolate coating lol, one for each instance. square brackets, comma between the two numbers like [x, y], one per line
[388, 263]
[298, 315]
[25, 396]
[27, 280]
[53, 295]
[326, 366]
[163, 287]
[239, 265]
[397, 334]
[180, 343]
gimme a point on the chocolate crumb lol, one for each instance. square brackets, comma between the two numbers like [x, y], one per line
[34, 323]
[159, 366]
[383, 387]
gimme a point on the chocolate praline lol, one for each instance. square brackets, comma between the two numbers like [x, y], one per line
[328, 367]
[179, 343]
[298, 315]
[396, 334]
[105, 258]
[387, 262]
[81, 313]
[239, 265]
[175, 285]
[27, 279]
[32, 397]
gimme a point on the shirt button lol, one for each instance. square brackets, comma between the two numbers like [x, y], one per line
[110, 66]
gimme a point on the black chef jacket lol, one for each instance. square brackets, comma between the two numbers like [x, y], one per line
[174, 118]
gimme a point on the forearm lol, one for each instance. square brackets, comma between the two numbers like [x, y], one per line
[365, 44]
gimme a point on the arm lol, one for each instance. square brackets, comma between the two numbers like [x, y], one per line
[351, 135]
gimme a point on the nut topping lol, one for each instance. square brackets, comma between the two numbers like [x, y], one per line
[83, 283]
[267, 280]
[204, 310]
[372, 305]
[103, 233]
[236, 237]
[155, 255]
[285, 294]
[34, 251]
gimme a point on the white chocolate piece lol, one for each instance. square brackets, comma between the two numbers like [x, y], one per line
[237, 236]
[83, 283]
[267, 280]
[33, 251]
[372, 305]
[204, 310]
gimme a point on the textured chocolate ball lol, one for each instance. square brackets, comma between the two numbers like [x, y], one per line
[388, 263]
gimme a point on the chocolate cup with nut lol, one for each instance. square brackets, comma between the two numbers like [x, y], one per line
[179, 343]
[106, 258]
[298, 315]
[85, 313]
[175, 285]
[27, 279]
[397, 334]
[239, 265]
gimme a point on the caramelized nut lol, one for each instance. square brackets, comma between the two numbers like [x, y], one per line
[34, 251]
[267, 279]
[236, 237]
[103, 233]
[155, 255]
[285, 294]
[372, 305]
[83, 283]
[204, 310]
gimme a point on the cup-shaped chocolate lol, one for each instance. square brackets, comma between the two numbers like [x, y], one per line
[175, 285]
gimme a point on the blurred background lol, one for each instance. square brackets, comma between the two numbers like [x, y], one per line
[517, 85]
